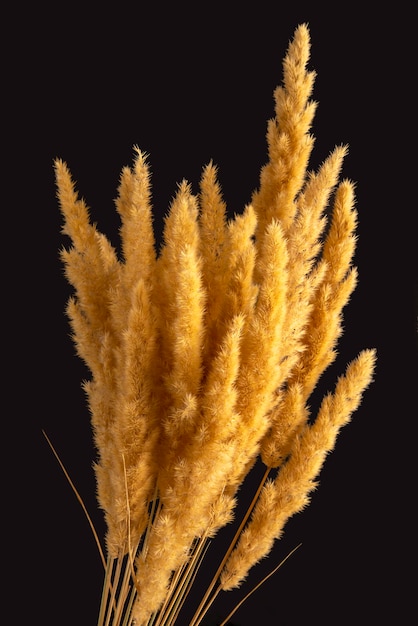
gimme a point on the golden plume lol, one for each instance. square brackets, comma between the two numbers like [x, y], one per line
[203, 355]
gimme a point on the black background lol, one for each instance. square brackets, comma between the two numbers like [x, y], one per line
[190, 84]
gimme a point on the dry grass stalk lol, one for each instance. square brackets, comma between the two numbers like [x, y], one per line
[203, 356]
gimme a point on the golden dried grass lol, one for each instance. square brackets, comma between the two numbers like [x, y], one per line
[203, 356]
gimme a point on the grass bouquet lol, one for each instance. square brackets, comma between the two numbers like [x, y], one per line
[203, 354]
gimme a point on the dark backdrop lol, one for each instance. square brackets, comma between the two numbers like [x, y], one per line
[188, 85]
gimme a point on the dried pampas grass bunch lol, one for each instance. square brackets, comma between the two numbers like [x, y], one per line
[203, 356]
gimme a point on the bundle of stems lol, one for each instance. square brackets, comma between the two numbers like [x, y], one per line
[203, 355]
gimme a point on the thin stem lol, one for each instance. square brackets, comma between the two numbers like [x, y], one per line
[192, 573]
[155, 511]
[79, 498]
[123, 591]
[171, 597]
[188, 574]
[112, 602]
[258, 585]
[107, 585]
[209, 603]
[128, 613]
[202, 609]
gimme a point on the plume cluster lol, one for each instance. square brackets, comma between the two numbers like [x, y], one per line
[204, 352]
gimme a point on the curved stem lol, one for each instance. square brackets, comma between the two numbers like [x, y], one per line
[235, 609]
